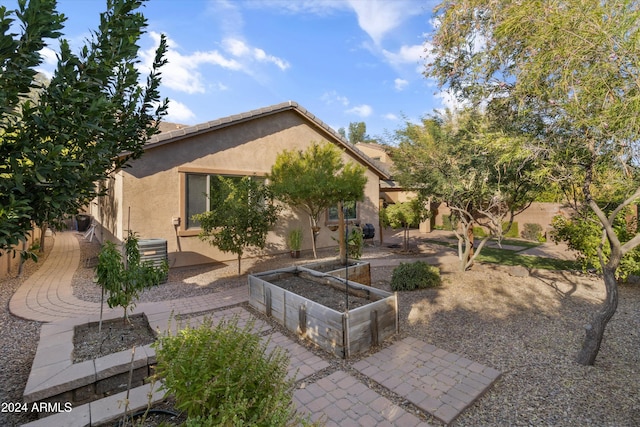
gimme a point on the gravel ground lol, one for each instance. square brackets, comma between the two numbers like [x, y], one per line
[529, 328]
[18, 348]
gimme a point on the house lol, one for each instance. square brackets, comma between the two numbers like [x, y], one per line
[158, 194]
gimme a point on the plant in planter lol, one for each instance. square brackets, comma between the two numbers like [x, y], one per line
[294, 242]
[123, 279]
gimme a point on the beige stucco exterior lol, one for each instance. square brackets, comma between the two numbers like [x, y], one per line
[149, 197]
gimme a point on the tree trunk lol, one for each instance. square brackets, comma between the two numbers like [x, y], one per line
[313, 236]
[239, 259]
[43, 232]
[595, 330]
[342, 241]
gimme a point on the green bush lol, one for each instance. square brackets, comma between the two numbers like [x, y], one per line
[479, 232]
[513, 231]
[224, 375]
[583, 235]
[416, 275]
[533, 232]
[447, 224]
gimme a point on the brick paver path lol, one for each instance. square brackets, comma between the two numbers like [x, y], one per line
[341, 400]
[441, 383]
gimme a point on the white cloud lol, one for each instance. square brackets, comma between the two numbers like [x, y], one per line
[378, 17]
[406, 55]
[363, 110]
[241, 50]
[400, 84]
[179, 113]
[333, 97]
[49, 62]
[390, 116]
[181, 71]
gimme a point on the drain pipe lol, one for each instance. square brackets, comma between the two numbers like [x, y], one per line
[346, 256]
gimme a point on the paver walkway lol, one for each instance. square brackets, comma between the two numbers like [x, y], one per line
[440, 383]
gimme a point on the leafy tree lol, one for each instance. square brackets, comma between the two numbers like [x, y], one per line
[316, 179]
[358, 132]
[91, 119]
[403, 215]
[483, 175]
[124, 279]
[240, 216]
[566, 74]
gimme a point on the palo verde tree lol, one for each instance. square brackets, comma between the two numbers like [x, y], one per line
[315, 180]
[55, 146]
[484, 176]
[572, 67]
[240, 215]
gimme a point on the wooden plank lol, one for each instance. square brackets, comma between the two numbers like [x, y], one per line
[374, 327]
[267, 303]
[361, 314]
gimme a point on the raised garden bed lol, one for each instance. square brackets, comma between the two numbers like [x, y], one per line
[313, 305]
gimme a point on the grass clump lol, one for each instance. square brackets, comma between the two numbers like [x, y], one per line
[224, 375]
[416, 275]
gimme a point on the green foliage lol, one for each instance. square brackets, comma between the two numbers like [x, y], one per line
[124, 279]
[294, 239]
[415, 275]
[316, 179]
[355, 242]
[479, 232]
[513, 230]
[583, 235]
[447, 223]
[533, 232]
[224, 375]
[240, 216]
[484, 175]
[58, 139]
[404, 215]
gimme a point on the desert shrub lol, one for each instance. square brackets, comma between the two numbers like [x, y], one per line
[533, 232]
[224, 375]
[415, 275]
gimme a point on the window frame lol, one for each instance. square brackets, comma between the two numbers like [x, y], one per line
[185, 230]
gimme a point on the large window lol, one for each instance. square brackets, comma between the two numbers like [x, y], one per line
[203, 190]
[351, 213]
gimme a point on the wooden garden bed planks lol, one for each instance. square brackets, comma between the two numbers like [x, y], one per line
[342, 334]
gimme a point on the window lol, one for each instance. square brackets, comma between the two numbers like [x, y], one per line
[351, 213]
[201, 191]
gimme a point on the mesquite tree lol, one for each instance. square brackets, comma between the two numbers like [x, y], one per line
[565, 74]
[484, 176]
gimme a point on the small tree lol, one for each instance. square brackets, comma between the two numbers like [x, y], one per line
[240, 216]
[403, 215]
[316, 179]
[124, 279]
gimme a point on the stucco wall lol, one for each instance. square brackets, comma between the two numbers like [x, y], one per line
[154, 186]
[537, 213]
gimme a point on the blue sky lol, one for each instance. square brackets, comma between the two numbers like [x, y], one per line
[343, 60]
